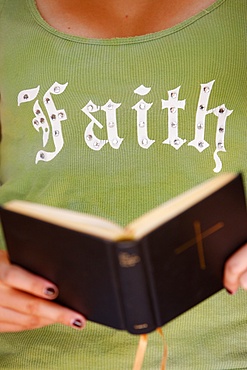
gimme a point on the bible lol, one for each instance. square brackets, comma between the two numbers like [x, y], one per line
[139, 277]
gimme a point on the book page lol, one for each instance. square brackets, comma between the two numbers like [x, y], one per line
[105, 229]
[158, 216]
[66, 218]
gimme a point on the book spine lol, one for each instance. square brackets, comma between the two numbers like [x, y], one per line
[139, 315]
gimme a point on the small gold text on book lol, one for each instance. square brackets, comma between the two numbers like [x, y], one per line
[128, 260]
[141, 326]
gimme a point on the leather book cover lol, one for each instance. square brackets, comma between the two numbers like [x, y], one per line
[82, 266]
[135, 285]
[186, 256]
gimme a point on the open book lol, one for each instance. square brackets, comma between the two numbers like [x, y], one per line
[139, 277]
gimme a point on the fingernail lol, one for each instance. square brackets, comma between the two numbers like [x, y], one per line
[229, 291]
[50, 292]
[77, 324]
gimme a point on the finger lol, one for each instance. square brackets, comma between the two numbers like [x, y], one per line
[235, 267]
[10, 328]
[33, 306]
[18, 278]
[15, 321]
[243, 280]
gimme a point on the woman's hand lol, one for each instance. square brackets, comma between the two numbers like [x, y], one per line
[25, 301]
[235, 274]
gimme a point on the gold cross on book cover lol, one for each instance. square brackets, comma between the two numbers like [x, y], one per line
[139, 277]
[198, 241]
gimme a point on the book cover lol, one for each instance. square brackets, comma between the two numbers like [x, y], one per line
[136, 281]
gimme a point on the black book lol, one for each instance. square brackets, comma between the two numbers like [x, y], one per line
[139, 277]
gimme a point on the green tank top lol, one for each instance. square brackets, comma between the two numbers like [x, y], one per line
[114, 127]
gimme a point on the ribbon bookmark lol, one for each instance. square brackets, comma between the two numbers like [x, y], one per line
[141, 349]
[140, 353]
[165, 350]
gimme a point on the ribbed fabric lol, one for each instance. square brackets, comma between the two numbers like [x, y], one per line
[123, 183]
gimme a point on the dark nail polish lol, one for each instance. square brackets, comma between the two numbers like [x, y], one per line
[50, 292]
[77, 323]
[229, 291]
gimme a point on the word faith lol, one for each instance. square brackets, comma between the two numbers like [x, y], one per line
[172, 105]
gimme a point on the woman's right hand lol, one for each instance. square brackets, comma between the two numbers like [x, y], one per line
[26, 301]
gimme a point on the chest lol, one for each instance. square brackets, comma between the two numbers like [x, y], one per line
[111, 19]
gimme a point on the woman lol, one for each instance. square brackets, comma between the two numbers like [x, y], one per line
[111, 108]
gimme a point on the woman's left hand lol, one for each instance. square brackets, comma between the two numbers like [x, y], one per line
[235, 272]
